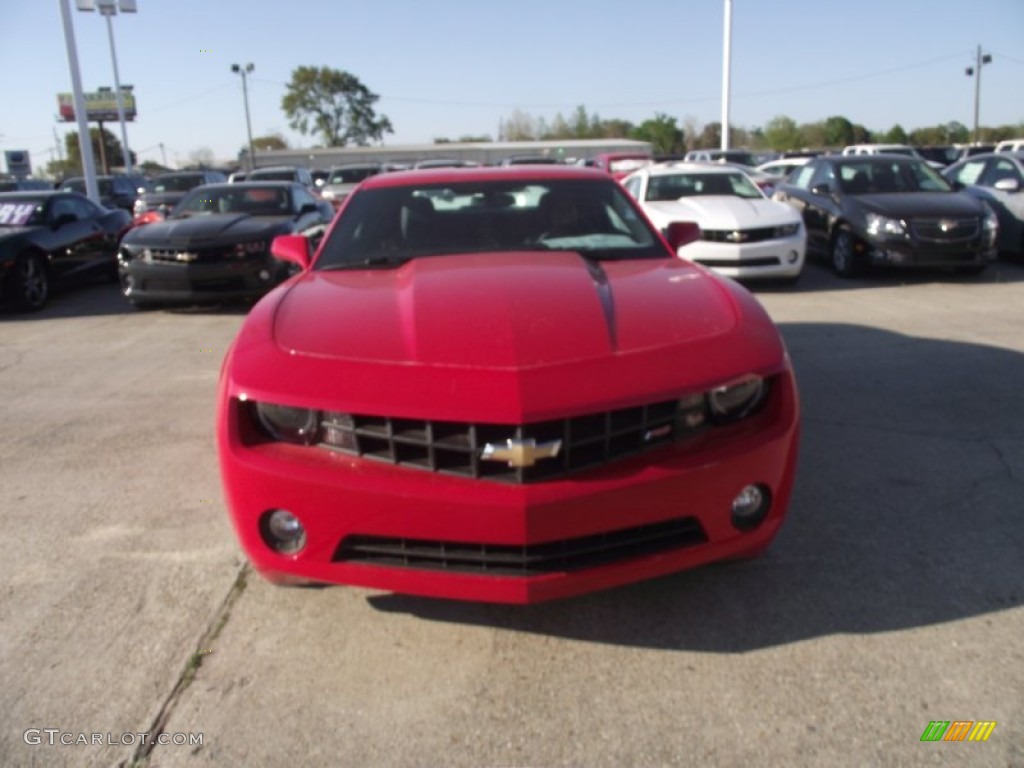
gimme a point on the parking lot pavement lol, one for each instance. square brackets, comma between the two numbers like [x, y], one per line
[893, 597]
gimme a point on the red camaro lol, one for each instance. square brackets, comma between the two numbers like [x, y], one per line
[501, 384]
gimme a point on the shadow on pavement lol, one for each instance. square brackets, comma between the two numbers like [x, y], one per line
[818, 276]
[907, 512]
[100, 297]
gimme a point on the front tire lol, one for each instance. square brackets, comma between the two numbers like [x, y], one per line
[845, 262]
[29, 282]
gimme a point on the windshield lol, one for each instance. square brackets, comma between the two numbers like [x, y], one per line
[106, 186]
[677, 185]
[350, 175]
[20, 211]
[890, 177]
[284, 175]
[394, 224]
[176, 183]
[255, 201]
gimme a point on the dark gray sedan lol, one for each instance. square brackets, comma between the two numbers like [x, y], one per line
[890, 210]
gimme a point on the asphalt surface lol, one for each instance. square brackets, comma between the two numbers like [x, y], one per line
[893, 596]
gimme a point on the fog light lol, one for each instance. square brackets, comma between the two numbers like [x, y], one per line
[750, 507]
[792, 257]
[282, 531]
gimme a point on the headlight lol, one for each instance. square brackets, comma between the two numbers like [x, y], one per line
[257, 246]
[293, 425]
[787, 230]
[882, 225]
[735, 400]
[991, 221]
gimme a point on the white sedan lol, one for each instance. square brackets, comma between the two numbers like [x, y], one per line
[744, 234]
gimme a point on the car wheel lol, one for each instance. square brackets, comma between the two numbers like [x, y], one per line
[844, 261]
[29, 282]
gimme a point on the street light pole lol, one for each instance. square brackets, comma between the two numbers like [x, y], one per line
[243, 71]
[92, 189]
[980, 61]
[108, 11]
[108, 8]
[726, 73]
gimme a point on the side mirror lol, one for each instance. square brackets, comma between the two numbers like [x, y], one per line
[1007, 185]
[680, 233]
[292, 248]
[820, 189]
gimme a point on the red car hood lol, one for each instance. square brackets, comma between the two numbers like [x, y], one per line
[500, 337]
[505, 310]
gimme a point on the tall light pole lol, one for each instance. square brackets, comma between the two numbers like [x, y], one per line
[726, 73]
[92, 189]
[243, 71]
[976, 71]
[108, 8]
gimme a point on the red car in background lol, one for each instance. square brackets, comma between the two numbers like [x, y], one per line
[501, 384]
[621, 164]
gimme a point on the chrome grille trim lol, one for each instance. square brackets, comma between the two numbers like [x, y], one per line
[946, 229]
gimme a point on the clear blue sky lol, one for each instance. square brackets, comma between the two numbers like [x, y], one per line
[456, 67]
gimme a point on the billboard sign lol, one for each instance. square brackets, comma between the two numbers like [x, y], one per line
[100, 106]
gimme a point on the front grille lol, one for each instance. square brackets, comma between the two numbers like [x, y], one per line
[533, 559]
[951, 230]
[456, 448]
[194, 256]
[767, 261]
[739, 235]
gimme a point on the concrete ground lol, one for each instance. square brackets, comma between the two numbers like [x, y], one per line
[893, 597]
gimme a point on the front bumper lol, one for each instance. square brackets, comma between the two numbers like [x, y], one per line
[168, 282]
[915, 253]
[781, 258]
[343, 501]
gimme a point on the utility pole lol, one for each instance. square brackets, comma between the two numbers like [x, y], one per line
[726, 74]
[980, 61]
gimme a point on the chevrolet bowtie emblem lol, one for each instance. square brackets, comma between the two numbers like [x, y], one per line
[521, 453]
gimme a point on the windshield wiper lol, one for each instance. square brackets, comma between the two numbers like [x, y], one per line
[371, 262]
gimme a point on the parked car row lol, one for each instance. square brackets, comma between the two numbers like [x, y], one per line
[193, 240]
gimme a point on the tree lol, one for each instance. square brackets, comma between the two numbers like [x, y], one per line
[202, 157]
[334, 104]
[838, 132]
[663, 133]
[781, 133]
[111, 150]
[270, 141]
[710, 137]
[896, 135]
[518, 126]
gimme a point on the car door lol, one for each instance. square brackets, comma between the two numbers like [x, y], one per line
[71, 237]
[99, 249]
[1007, 199]
[814, 206]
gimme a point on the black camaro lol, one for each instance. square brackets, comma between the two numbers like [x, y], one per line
[888, 209]
[53, 236]
[216, 244]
